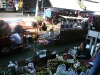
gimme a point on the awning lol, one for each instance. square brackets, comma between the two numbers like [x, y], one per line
[53, 9]
[66, 4]
[90, 6]
[96, 13]
[67, 17]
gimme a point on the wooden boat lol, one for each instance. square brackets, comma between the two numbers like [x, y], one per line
[6, 46]
[69, 34]
[72, 35]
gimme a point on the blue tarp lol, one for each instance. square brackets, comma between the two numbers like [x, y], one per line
[48, 13]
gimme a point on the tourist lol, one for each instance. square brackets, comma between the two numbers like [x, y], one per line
[96, 51]
[96, 64]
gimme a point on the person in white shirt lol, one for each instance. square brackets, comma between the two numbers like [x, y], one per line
[16, 39]
[51, 34]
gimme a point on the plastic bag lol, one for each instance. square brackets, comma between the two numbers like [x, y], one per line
[72, 72]
[61, 70]
[87, 72]
[82, 73]
[30, 68]
[30, 65]
[11, 64]
[61, 67]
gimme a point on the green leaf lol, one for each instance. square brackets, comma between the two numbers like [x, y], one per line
[39, 18]
[80, 3]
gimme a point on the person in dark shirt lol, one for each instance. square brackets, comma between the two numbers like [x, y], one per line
[82, 52]
[44, 27]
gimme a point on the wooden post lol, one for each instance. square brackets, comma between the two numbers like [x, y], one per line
[36, 13]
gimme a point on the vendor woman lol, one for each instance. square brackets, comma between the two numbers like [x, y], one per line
[82, 52]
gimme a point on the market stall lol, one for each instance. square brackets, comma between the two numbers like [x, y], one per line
[62, 63]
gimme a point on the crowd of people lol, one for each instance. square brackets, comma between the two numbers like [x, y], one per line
[82, 52]
[56, 16]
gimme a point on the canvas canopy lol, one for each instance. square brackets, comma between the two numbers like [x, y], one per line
[67, 17]
[91, 6]
[66, 4]
[96, 13]
[53, 9]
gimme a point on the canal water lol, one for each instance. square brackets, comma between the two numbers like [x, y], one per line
[29, 53]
